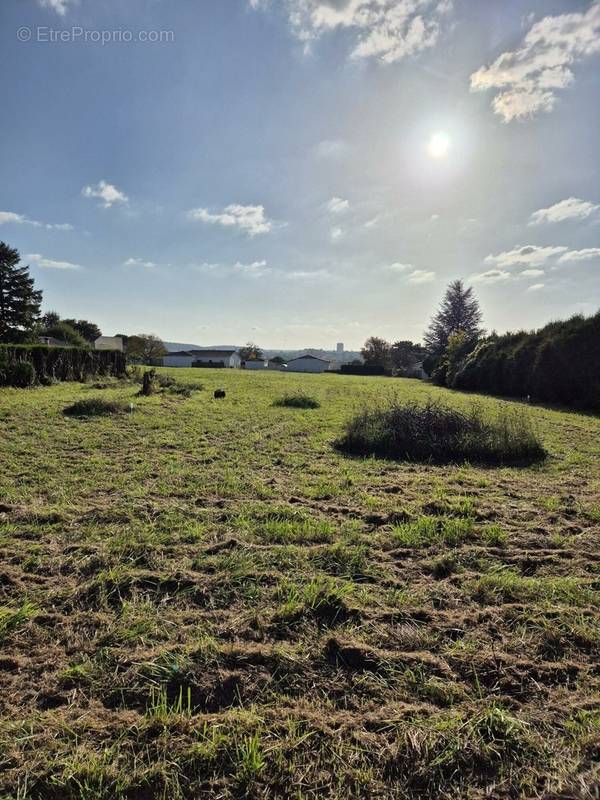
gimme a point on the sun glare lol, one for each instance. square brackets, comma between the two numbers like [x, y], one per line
[439, 145]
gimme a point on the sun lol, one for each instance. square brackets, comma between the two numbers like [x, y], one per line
[439, 145]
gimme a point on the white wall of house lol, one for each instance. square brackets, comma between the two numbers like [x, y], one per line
[109, 343]
[189, 359]
[229, 359]
[178, 361]
[308, 364]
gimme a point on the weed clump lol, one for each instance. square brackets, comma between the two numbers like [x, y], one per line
[440, 434]
[297, 400]
[96, 407]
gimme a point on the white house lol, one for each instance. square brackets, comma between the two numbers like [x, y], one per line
[255, 363]
[109, 343]
[202, 358]
[308, 363]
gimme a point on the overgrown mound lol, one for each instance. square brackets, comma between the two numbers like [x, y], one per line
[441, 434]
[298, 400]
[96, 407]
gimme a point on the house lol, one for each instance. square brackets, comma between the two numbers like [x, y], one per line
[51, 341]
[308, 363]
[202, 358]
[109, 343]
[255, 363]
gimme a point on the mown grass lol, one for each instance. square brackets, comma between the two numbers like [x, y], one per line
[205, 599]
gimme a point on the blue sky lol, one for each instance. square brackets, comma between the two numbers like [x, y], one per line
[302, 172]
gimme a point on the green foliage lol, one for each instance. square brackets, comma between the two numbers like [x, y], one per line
[376, 352]
[19, 301]
[250, 352]
[559, 363]
[64, 332]
[145, 347]
[441, 434]
[24, 365]
[297, 400]
[459, 312]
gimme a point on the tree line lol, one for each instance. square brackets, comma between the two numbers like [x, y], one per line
[559, 363]
[22, 322]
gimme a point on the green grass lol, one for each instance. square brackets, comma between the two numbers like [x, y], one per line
[206, 599]
[428, 531]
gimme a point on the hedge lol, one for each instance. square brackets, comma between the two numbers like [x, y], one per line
[559, 363]
[27, 365]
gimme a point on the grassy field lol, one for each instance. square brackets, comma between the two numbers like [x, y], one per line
[203, 599]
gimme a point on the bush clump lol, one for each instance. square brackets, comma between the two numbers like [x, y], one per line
[96, 407]
[440, 434]
[298, 400]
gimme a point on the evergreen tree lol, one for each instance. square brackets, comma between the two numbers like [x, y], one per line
[19, 301]
[459, 312]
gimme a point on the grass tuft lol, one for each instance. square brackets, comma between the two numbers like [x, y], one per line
[440, 434]
[296, 400]
[96, 407]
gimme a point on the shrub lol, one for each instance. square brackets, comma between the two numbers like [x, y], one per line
[560, 363]
[96, 407]
[298, 400]
[440, 434]
[48, 364]
[21, 374]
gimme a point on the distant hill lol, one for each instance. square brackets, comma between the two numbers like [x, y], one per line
[174, 346]
[349, 355]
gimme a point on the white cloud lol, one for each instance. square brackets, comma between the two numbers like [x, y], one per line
[385, 29]
[48, 263]
[138, 262]
[572, 208]
[531, 273]
[535, 287]
[491, 276]
[257, 269]
[11, 217]
[250, 219]
[60, 6]
[581, 255]
[106, 192]
[333, 149]
[527, 80]
[337, 205]
[307, 275]
[397, 266]
[336, 234]
[530, 254]
[421, 276]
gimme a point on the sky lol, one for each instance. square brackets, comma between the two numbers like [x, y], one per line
[302, 172]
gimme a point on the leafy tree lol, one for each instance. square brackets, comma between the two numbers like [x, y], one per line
[278, 360]
[89, 330]
[376, 352]
[405, 354]
[50, 318]
[459, 312]
[19, 301]
[145, 347]
[66, 333]
[250, 352]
